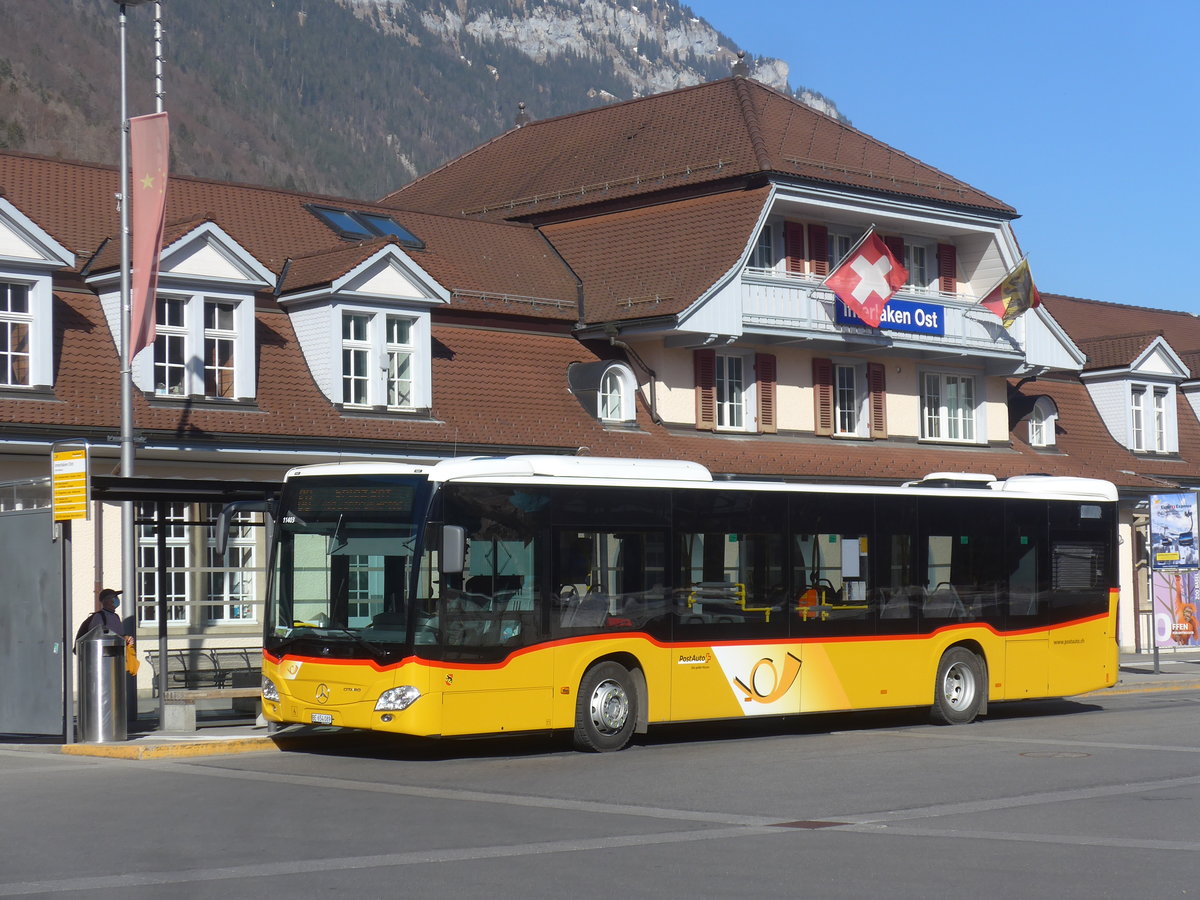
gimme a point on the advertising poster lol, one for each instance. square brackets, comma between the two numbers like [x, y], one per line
[1173, 531]
[1176, 595]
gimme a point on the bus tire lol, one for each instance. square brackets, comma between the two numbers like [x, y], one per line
[959, 689]
[605, 708]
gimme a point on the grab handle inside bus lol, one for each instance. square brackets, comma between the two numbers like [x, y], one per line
[225, 519]
[454, 548]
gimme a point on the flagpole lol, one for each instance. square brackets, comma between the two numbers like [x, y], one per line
[128, 547]
[866, 234]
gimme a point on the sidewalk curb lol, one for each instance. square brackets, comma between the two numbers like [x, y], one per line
[180, 750]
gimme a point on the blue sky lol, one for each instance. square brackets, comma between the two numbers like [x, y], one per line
[1083, 116]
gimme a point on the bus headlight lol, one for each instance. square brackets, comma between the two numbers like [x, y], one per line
[269, 691]
[398, 698]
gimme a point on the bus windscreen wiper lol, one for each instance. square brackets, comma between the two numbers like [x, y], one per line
[374, 649]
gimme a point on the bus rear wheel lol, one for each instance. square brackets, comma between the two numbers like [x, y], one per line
[958, 690]
[605, 708]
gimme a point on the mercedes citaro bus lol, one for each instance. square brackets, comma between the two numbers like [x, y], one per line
[603, 596]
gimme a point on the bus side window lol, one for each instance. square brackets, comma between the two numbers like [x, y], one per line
[607, 580]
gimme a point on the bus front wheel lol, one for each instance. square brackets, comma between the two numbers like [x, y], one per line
[605, 708]
[958, 691]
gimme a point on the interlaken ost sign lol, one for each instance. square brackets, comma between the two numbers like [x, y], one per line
[900, 315]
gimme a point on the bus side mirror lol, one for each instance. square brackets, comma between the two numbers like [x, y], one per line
[454, 549]
[225, 520]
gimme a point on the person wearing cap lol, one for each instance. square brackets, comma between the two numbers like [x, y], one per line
[106, 616]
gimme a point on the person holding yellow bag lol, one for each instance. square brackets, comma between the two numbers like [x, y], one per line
[106, 617]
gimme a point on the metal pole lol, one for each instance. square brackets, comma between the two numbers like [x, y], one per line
[128, 548]
[159, 94]
[64, 537]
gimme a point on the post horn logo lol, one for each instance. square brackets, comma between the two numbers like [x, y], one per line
[780, 683]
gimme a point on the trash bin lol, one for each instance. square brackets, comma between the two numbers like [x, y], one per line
[101, 662]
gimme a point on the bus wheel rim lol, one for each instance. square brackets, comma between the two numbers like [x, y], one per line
[959, 686]
[609, 707]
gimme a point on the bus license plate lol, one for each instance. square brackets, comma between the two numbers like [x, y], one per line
[322, 718]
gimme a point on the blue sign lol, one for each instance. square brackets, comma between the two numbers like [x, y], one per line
[900, 315]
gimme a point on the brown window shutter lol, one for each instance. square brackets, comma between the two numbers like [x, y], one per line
[764, 370]
[818, 249]
[705, 362]
[823, 395]
[895, 243]
[793, 241]
[877, 385]
[947, 269]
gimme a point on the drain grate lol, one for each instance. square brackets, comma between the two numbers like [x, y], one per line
[807, 825]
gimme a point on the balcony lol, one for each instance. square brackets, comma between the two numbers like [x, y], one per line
[782, 306]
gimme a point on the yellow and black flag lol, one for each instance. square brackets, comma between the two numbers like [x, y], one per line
[1013, 295]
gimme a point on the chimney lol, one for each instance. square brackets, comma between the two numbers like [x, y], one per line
[740, 69]
[522, 116]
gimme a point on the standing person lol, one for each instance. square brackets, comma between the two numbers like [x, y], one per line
[105, 616]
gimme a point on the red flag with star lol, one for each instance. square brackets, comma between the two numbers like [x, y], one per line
[148, 153]
[868, 278]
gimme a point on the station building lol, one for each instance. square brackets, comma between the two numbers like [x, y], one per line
[643, 279]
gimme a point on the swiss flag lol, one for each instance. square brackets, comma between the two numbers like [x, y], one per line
[868, 278]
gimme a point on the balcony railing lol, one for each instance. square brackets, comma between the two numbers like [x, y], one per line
[781, 304]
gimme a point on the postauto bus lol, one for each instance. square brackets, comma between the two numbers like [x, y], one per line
[602, 596]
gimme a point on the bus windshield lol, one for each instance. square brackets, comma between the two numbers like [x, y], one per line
[346, 565]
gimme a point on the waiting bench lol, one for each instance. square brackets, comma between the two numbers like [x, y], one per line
[195, 674]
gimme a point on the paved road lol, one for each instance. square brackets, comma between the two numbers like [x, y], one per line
[1098, 797]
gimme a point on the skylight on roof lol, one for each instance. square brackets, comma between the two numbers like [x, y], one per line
[356, 225]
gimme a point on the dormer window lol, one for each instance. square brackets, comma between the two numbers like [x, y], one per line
[1042, 420]
[617, 388]
[204, 347]
[380, 362]
[1151, 428]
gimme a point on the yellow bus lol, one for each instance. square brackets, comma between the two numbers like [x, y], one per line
[602, 596]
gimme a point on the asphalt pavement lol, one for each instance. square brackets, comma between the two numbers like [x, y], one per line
[1173, 670]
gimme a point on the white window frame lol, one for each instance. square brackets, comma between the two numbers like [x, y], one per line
[401, 363]
[15, 353]
[38, 319]
[1152, 424]
[219, 369]
[190, 333]
[178, 544]
[616, 395]
[763, 255]
[736, 403]
[231, 584]
[927, 269]
[1042, 420]
[850, 417]
[838, 244]
[356, 358]
[945, 422]
[382, 354]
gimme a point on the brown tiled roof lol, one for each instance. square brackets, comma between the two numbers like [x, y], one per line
[73, 202]
[1084, 445]
[1120, 332]
[1116, 352]
[728, 129]
[505, 391]
[657, 260]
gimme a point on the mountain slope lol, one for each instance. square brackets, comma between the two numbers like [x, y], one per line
[352, 97]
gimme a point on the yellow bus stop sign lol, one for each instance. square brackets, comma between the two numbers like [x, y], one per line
[70, 485]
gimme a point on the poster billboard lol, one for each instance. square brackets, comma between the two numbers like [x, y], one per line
[1176, 596]
[1173, 531]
